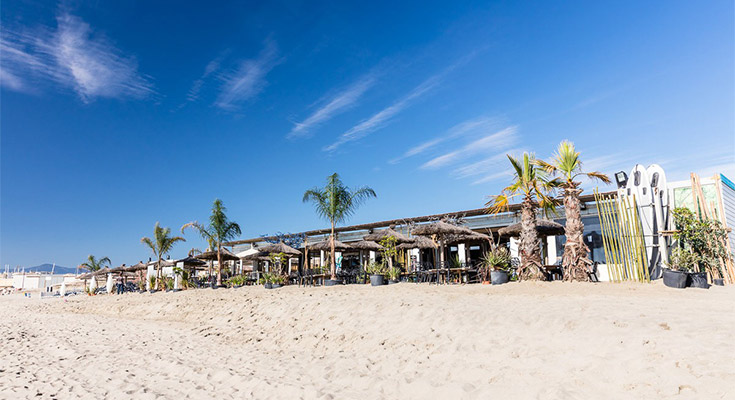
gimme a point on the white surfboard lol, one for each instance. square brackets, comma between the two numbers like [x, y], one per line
[639, 185]
[661, 223]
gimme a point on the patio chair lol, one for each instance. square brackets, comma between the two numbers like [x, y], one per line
[592, 272]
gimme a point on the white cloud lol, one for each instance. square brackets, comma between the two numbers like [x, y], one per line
[378, 120]
[248, 79]
[334, 106]
[196, 87]
[496, 141]
[466, 127]
[73, 56]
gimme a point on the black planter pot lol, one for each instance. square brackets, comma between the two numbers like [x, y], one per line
[718, 282]
[498, 277]
[697, 280]
[276, 286]
[268, 285]
[377, 280]
[331, 282]
[393, 281]
[675, 279]
[152, 291]
[177, 290]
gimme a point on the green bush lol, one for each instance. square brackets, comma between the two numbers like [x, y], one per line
[375, 268]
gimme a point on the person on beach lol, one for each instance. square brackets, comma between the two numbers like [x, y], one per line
[120, 286]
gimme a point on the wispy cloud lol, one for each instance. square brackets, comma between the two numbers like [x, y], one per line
[73, 56]
[379, 119]
[212, 67]
[473, 125]
[334, 106]
[496, 141]
[248, 79]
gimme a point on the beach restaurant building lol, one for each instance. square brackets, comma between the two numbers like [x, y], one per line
[469, 252]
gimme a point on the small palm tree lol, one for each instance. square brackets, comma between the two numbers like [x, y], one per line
[160, 245]
[568, 167]
[531, 182]
[219, 231]
[94, 264]
[336, 202]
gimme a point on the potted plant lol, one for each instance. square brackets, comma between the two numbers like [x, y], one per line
[703, 240]
[278, 281]
[394, 275]
[495, 265]
[152, 284]
[681, 262]
[377, 272]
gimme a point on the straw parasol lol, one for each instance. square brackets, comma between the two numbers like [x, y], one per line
[259, 256]
[140, 266]
[366, 245]
[280, 247]
[467, 237]
[101, 271]
[382, 234]
[212, 255]
[443, 231]
[191, 262]
[441, 228]
[326, 245]
[544, 227]
[419, 242]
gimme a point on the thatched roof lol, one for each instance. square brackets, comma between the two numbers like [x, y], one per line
[382, 234]
[280, 247]
[474, 236]
[212, 255]
[419, 242]
[86, 276]
[191, 262]
[544, 227]
[441, 228]
[118, 270]
[326, 245]
[137, 267]
[366, 245]
[103, 271]
[259, 256]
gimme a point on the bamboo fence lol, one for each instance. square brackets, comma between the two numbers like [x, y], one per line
[622, 238]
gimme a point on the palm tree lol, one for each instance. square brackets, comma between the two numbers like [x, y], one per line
[336, 202]
[219, 231]
[531, 182]
[94, 264]
[161, 244]
[567, 165]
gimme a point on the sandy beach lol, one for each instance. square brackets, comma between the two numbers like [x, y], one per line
[529, 340]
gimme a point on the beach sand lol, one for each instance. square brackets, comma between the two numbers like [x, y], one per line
[521, 340]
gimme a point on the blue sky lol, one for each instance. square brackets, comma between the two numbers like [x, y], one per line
[115, 115]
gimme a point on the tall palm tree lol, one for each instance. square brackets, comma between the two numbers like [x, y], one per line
[568, 167]
[219, 231]
[531, 183]
[94, 264]
[336, 202]
[160, 245]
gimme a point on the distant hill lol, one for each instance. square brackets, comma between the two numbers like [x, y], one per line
[47, 268]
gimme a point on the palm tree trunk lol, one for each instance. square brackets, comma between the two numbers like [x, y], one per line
[334, 256]
[158, 273]
[219, 265]
[529, 243]
[575, 259]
